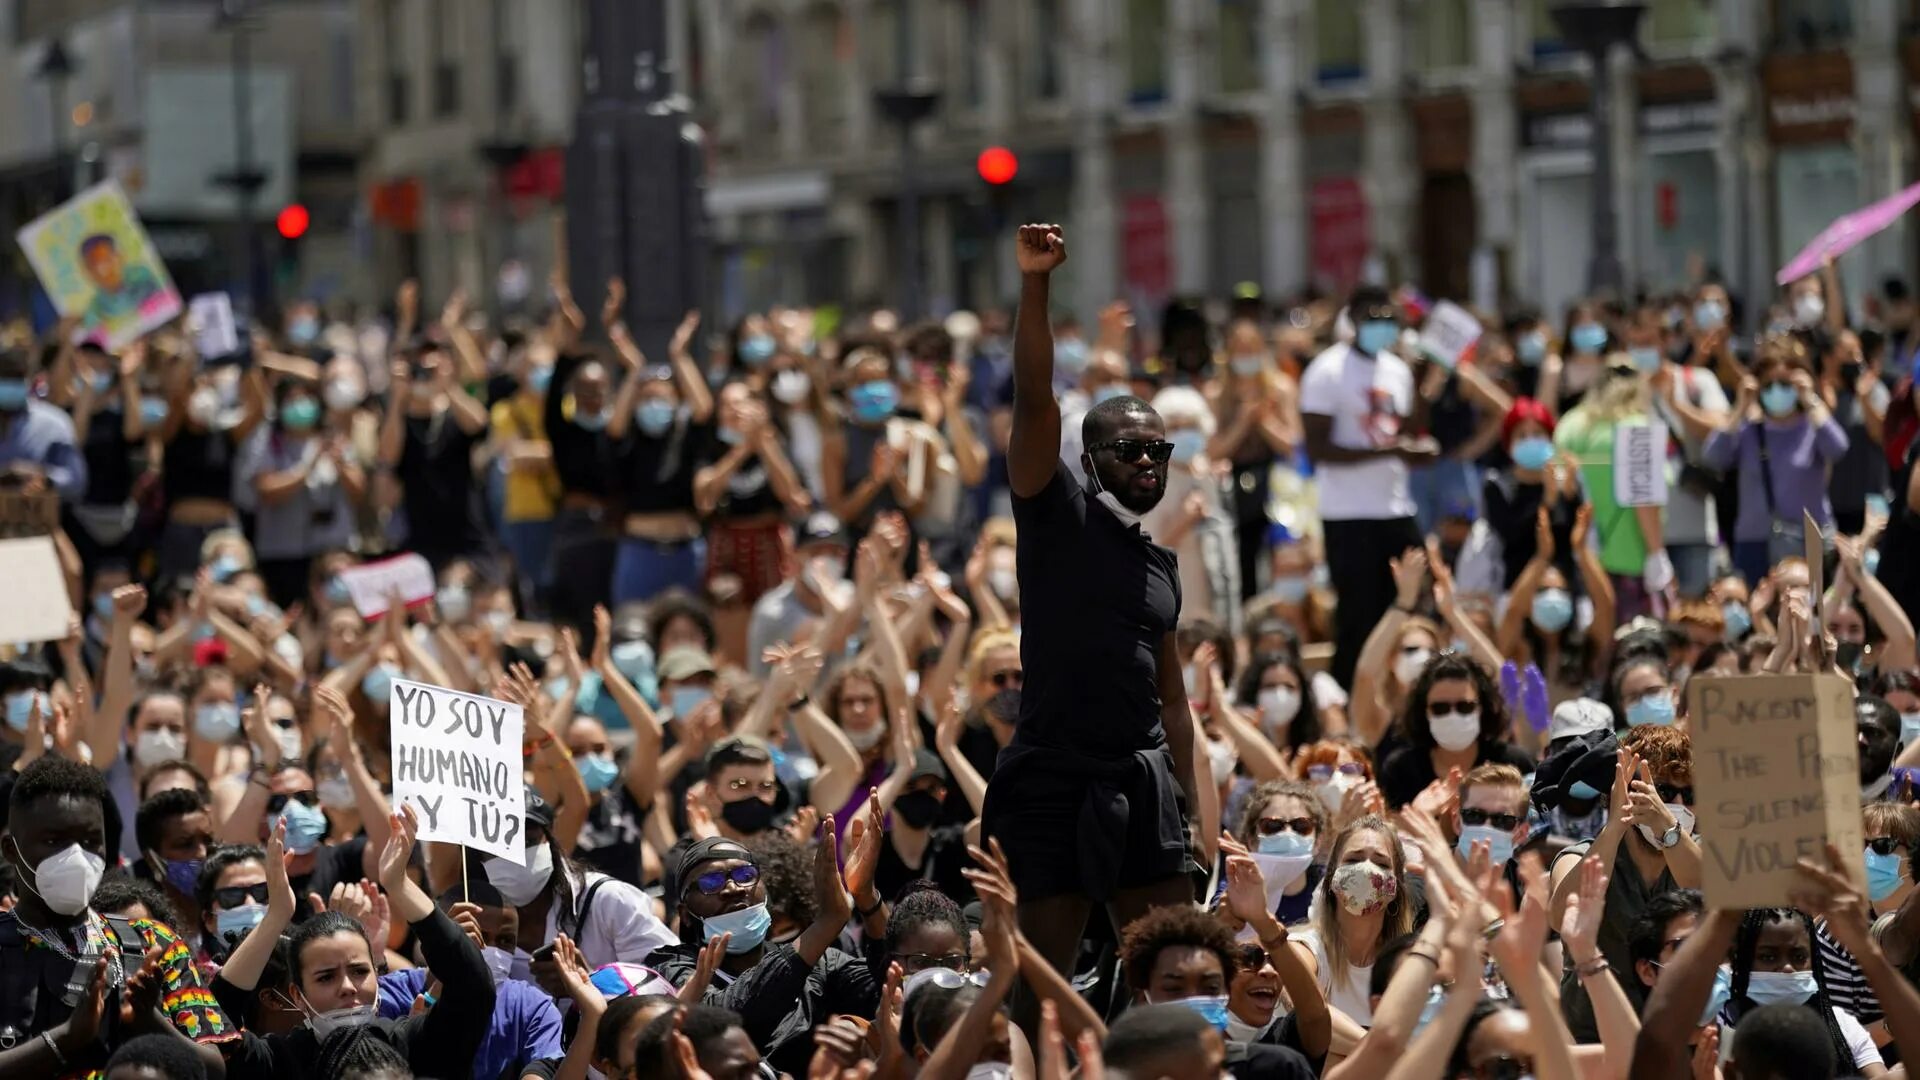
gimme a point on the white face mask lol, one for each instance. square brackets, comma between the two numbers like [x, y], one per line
[203, 406]
[1279, 705]
[1808, 308]
[1222, 756]
[288, 740]
[790, 387]
[1455, 731]
[519, 885]
[500, 962]
[1004, 582]
[1410, 664]
[990, 1070]
[868, 739]
[65, 880]
[326, 1023]
[155, 745]
[1333, 789]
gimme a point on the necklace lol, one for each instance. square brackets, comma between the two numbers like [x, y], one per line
[50, 940]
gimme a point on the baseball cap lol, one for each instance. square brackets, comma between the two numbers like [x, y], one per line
[684, 662]
[819, 527]
[1578, 717]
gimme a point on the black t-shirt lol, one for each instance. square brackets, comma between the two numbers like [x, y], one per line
[199, 466]
[332, 864]
[945, 857]
[1409, 769]
[1513, 510]
[582, 459]
[657, 472]
[110, 457]
[610, 842]
[749, 491]
[1097, 600]
[1266, 1061]
[436, 469]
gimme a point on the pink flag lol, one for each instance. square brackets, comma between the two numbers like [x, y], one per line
[1847, 231]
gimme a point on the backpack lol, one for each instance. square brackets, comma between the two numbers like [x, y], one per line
[24, 971]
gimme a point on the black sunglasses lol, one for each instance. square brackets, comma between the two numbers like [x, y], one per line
[276, 803]
[234, 896]
[1674, 793]
[1155, 450]
[1271, 826]
[1883, 845]
[1011, 678]
[714, 880]
[1442, 708]
[1503, 822]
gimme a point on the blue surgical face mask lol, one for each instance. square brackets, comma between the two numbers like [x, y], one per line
[1109, 392]
[1709, 315]
[1655, 708]
[1779, 399]
[1717, 997]
[224, 568]
[597, 771]
[685, 699]
[1883, 874]
[633, 659]
[1187, 444]
[13, 395]
[378, 681]
[1500, 844]
[654, 416]
[20, 708]
[236, 921]
[1532, 452]
[1531, 348]
[1070, 356]
[1646, 359]
[1739, 619]
[1909, 729]
[306, 826]
[181, 874]
[1375, 335]
[337, 592]
[539, 378]
[1588, 338]
[153, 411]
[1286, 843]
[216, 721]
[756, 349]
[1290, 588]
[591, 421]
[1248, 365]
[1778, 987]
[1211, 1009]
[873, 401]
[1552, 610]
[748, 926]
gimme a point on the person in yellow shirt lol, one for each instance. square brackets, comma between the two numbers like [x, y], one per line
[525, 457]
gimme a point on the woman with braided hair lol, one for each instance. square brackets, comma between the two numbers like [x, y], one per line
[1774, 961]
[359, 1053]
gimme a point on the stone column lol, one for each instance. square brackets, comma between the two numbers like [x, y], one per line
[1391, 173]
[1283, 180]
[1092, 69]
[1185, 150]
[1496, 132]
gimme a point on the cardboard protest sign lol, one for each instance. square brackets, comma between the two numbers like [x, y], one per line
[1640, 464]
[1449, 334]
[97, 264]
[456, 761]
[22, 514]
[1776, 775]
[38, 607]
[372, 584]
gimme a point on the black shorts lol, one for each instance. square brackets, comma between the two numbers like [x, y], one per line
[1075, 824]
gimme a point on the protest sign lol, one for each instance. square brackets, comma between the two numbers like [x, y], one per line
[38, 607]
[372, 584]
[210, 321]
[23, 514]
[456, 761]
[1640, 464]
[97, 264]
[1776, 775]
[1449, 334]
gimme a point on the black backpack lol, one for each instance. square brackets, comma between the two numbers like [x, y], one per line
[24, 972]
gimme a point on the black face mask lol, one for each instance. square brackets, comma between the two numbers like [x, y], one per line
[918, 809]
[1849, 654]
[747, 816]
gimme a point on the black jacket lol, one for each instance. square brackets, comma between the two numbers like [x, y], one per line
[780, 999]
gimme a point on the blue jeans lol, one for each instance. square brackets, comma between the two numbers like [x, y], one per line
[1446, 488]
[644, 569]
[530, 543]
[1692, 568]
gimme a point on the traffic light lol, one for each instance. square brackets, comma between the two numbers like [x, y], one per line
[292, 222]
[997, 165]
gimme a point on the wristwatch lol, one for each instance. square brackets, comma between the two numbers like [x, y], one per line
[1670, 837]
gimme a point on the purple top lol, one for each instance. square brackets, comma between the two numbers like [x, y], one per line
[1799, 455]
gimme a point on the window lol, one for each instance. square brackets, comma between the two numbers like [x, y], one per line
[877, 33]
[765, 53]
[1811, 24]
[398, 88]
[970, 24]
[823, 89]
[1443, 36]
[1239, 43]
[506, 59]
[1680, 22]
[1146, 51]
[1336, 34]
[443, 33]
[1044, 61]
[1546, 32]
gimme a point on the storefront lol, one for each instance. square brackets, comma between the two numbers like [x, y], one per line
[1816, 173]
[1676, 220]
[1339, 221]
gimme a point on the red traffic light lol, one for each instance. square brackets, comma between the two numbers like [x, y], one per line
[292, 222]
[997, 165]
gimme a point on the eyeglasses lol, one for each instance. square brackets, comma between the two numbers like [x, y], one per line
[1442, 708]
[1503, 822]
[234, 896]
[944, 965]
[1883, 845]
[764, 787]
[713, 881]
[1155, 450]
[1502, 1068]
[1674, 793]
[277, 803]
[1323, 773]
[1271, 826]
[1010, 679]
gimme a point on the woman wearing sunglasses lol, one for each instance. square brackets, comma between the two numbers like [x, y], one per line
[1282, 827]
[232, 893]
[1455, 719]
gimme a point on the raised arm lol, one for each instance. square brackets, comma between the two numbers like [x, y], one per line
[1669, 1019]
[1888, 615]
[686, 374]
[104, 730]
[1034, 450]
[393, 426]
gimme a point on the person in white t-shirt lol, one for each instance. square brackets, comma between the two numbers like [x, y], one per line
[1358, 406]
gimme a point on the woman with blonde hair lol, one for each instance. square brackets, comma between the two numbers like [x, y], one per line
[1359, 905]
[1190, 518]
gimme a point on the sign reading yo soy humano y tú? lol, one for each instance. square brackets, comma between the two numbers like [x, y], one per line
[1776, 775]
[456, 761]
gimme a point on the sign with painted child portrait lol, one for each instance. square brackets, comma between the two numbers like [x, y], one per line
[94, 259]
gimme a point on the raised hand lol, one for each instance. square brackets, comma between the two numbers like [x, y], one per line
[1585, 911]
[1247, 891]
[700, 824]
[1517, 946]
[393, 858]
[683, 334]
[141, 996]
[703, 968]
[1543, 536]
[129, 601]
[279, 888]
[1040, 249]
[864, 836]
[1409, 575]
[1829, 892]
[570, 971]
[615, 302]
[1582, 524]
[802, 825]
[829, 895]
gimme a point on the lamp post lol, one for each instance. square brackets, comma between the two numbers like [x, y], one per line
[56, 70]
[1594, 28]
[246, 179]
[906, 103]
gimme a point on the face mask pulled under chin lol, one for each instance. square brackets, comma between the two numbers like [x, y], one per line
[349, 1016]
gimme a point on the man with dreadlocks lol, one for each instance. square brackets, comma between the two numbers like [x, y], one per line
[1774, 962]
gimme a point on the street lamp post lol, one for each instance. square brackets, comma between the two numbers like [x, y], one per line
[1595, 27]
[246, 179]
[906, 103]
[56, 69]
